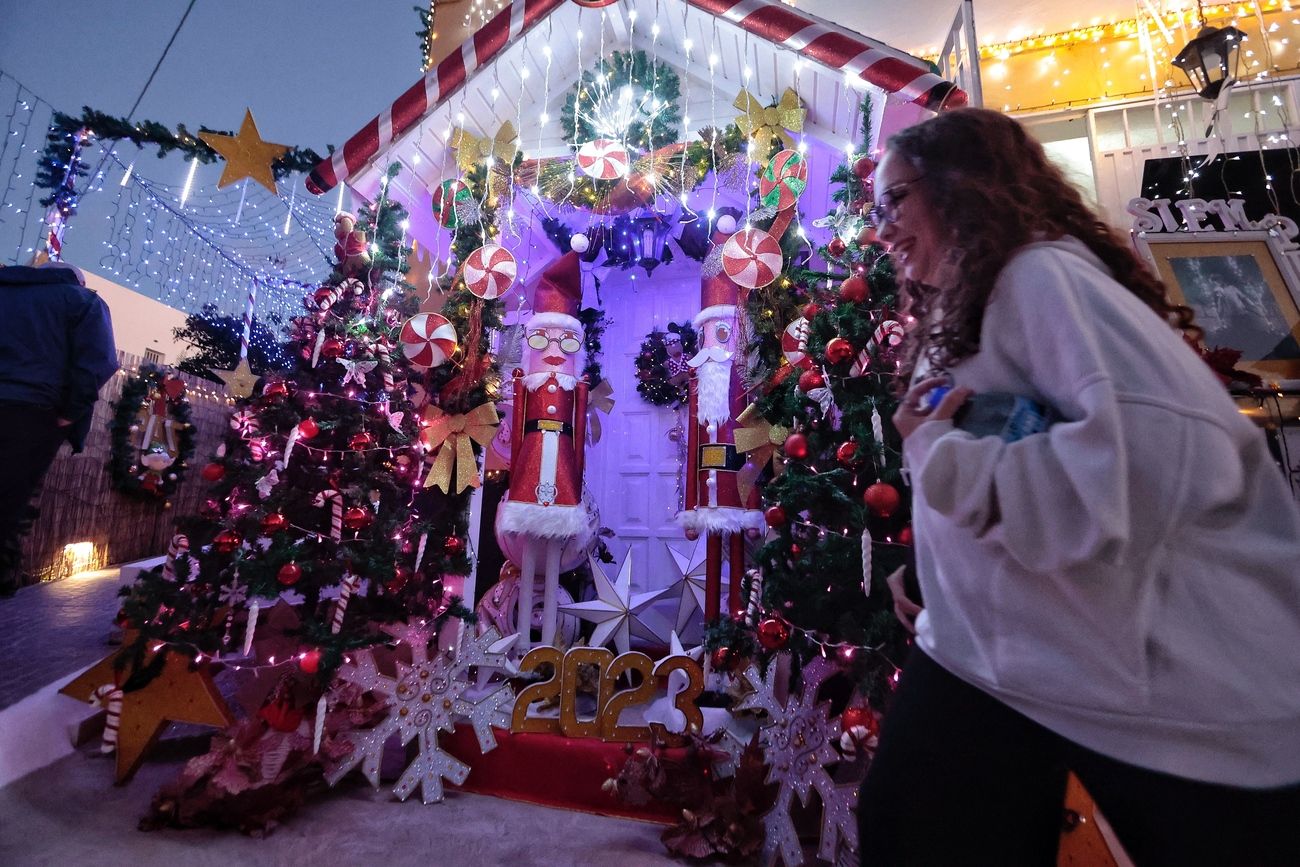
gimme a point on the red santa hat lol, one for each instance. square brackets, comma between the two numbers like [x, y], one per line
[558, 295]
[718, 298]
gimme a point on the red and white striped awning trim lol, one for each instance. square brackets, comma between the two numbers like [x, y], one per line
[876, 63]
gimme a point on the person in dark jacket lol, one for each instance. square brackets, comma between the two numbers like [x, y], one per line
[56, 351]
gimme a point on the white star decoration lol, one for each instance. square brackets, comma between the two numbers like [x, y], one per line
[689, 587]
[615, 611]
[425, 697]
[797, 744]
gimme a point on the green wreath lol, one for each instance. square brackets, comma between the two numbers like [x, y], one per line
[655, 119]
[150, 470]
[657, 382]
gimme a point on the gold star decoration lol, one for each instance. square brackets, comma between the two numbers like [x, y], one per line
[178, 694]
[240, 381]
[246, 154]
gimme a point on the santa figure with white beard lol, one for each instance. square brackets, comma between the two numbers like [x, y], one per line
[714, 504]
[544, 505]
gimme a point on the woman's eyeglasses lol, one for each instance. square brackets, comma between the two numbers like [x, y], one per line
[568, 342]
[886, 208]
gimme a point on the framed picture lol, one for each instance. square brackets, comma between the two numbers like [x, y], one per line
[1244, 292]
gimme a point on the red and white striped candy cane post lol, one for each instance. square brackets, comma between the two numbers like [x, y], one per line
[755, 597]
[178, 547]
[248, 321]
[109, 697]
[346, 589]
[335, 499]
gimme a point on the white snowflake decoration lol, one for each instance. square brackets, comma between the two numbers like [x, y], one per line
[798, 743]
[426, 696]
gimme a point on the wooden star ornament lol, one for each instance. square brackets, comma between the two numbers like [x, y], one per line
[179, 693]
[240, 381]
[246, 154]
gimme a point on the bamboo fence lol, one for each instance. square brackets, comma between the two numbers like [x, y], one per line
[78, 505]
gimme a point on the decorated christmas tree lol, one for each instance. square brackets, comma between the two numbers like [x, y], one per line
[825, 372]
[313, 497]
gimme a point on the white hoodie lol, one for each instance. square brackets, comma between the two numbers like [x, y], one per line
[1131, 578]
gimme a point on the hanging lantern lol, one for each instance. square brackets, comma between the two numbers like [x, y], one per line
[1210, 60]
[649, 234]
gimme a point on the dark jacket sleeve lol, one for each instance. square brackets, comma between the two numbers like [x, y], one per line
[92, 361]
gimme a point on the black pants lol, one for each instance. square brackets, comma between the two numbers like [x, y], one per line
[29, 439]
[961, 779]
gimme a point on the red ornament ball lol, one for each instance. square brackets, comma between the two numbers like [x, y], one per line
[836, 247]
[227, 541]
[213, 472]
[357, 518]
[905, 535]
[810, 311]
[773, 633]
[322, 295]
[838, 350]
[796, 445]
[454, 546]
[722, 658]
[360, 441]
[775, 516]
[309, 662]
[289, 574]
[401, 577]
[867, 236]
[847, 453]
[853, 717]
[854, 289]
[882, 499]
[810, 380]
[281, 716]
[274, 523]
[795, 549]
[307, 428]
[863, 167]
[332, 348]
[276, 388]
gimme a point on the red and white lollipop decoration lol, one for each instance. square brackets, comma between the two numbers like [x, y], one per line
[603, 159]
[428, 340]
[752, 258]
[794, 344]
[489, 271]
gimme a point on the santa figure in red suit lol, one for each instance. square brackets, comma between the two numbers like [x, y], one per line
[714, 504]
[544, 506]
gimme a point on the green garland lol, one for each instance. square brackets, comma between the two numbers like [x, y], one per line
[652, 366]
[125, 470]
[63, 130]
[612, 74]
[594, 322]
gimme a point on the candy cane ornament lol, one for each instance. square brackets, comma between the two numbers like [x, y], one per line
[889, 332]
[335, 499]
[109, 697]
[346, 589]
[178, 547]
[794, 344]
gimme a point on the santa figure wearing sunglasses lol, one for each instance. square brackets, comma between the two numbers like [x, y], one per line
[544, 505]
[714, 504]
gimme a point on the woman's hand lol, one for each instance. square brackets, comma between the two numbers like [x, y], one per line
[909, 415]
[904, 609]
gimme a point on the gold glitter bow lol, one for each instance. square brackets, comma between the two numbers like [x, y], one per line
[765, 123]
[472, 150]
[450, 440]
[759, 440]
[599, 399]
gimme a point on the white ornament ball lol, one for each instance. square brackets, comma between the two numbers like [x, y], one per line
[726, 224]
[171, 477]
[579, 242]
[135, 428]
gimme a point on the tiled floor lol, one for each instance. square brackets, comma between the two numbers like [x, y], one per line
[50, 630]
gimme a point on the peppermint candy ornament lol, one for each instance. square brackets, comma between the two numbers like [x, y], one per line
[783, 180]
[888, 332]
[794, 344]
[428, 340]
[489, 271]
[603, 159]
[752, 258]
[450, 195]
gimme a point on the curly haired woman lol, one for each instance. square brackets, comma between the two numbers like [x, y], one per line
[1118, 595]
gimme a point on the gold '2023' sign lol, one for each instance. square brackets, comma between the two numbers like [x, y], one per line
[611, 699]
